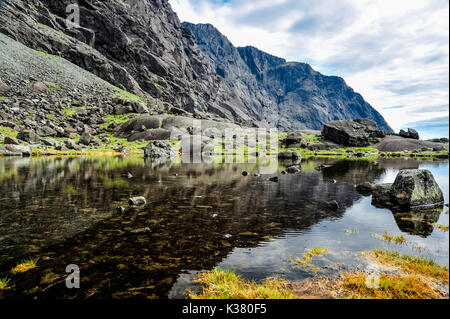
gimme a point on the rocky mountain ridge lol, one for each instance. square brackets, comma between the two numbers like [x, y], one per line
[287, 95]
[141, 47]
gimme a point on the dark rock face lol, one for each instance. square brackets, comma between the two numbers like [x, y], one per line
[282, 94]
[416, 187]
[411, 133]
[381, 195]
[359, 133]
[159, 150]
[139, 46]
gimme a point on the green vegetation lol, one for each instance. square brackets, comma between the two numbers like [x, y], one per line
[411, 265]
[117, 119]
[127, 95]
[7, 131]
[2, 98]
[389, 238]
[4, 283]
[69, 112]
[389, 286]
[309, 254]
[24, 266]
[226, 284]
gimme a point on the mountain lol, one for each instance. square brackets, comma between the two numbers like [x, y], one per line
[287, 95]
[193, 70]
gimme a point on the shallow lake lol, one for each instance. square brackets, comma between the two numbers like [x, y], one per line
[63, 211]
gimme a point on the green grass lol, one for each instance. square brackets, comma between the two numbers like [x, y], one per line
[390, 239]
[128, 96]
[411, 264]
[2, 98]
[69, 112]
[226, 284]
[309, 254]
[4, 283]
[117, 119]
[7, 131]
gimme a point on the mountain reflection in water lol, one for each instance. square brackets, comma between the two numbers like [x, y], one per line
[63, 211]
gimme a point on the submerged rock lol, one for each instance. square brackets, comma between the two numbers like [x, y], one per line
[416, 187]
[274, 179]
[331, 205]
[381, 195]
[137, 201]
[293, 169]
[365, 188]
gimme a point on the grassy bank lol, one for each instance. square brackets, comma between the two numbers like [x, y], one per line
[399, 277]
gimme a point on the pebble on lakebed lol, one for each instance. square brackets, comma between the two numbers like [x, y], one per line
[137, 201]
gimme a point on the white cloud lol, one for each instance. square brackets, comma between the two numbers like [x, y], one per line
[392, 52]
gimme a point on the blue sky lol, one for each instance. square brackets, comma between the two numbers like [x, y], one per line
[394, 52]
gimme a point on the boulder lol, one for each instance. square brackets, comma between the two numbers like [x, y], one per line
[15, 150]
[294, 139]
[85, 139]
[357, 133]
[150, 135]
[10, 140]
[3, 88]
[28, 136]
[332, 205]
[159, 150]
[289, 155]
[411, 133]
[394, 143]
[294, 169]
[49, 142]
[416, 187]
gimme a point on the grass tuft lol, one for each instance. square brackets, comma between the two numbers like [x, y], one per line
[4, 283]
[226, 284]
[24, 266]
[389, 238]
[310, 253]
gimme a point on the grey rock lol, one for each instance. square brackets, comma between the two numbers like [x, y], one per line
[289, 155]
[358, 133]
[10, 140]
[15, 150]
[70, 144]
[365, 188]
[416, 187]
[159, 150]
[3, 88]
[394, 143]
[28, 136]
[381, 195]
[293, 139]
[137, 201]
[85, 139]
[49, 142]
[411, 133]
[293, 169]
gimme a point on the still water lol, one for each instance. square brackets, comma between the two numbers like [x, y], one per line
[62, 211]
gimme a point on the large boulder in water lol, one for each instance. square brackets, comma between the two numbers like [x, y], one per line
[416, 187]
[358, 133]
[159, 150]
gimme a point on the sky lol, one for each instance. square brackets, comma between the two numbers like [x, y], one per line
[394, 52]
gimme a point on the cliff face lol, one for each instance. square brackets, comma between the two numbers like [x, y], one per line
[141, 46]
[136, 45]
[288, 95]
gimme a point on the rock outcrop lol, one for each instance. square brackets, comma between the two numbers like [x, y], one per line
[393, 143]
[358, 133]
[411, 133]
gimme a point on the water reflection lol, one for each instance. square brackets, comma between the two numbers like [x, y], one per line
[62, 210]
